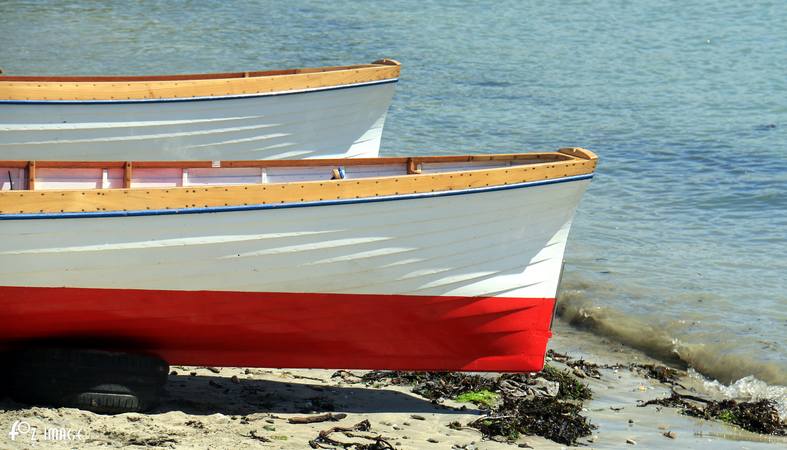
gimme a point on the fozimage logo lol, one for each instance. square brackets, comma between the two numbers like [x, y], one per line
[23, 430]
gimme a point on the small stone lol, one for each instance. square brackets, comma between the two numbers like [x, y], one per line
[433, 441]
[579, 372]
[593, 438]
[247, 372]
[631, 420]
[498, 438]
[173, 373]
[235, 379]
[213, 369]
[631, 441]
[406, 423]
[193, 374]
[524, 445]
[269, 427]
[663, 427]
[670, 434]
[269, 420]
[417, 417]
[397, 427]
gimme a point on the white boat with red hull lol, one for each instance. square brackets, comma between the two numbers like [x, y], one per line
[431, 263]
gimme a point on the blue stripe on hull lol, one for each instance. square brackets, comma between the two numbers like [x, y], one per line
[218, 209]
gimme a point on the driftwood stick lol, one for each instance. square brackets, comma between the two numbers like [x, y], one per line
[327, 417]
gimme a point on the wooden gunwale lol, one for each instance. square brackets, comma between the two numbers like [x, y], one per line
[540, 167]
[76, 88]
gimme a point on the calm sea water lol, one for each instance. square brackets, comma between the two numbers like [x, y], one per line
[680, 246]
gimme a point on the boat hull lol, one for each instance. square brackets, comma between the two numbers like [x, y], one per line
[255, 329]
[331, 122]
[459, 282]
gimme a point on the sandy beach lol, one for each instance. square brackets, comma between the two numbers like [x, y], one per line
[252, 408]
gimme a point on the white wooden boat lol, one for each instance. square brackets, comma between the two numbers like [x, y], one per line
[438, 263]
[329, 112]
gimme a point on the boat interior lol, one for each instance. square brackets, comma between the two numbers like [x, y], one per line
[198, 76]
[89, 175]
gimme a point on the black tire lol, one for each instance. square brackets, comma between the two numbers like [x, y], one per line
[98, 381]
[115, 398]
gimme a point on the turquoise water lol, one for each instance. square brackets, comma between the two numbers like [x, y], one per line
[679, 248]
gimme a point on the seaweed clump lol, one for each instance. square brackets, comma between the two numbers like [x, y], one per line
[434, 385]
[546, 404]
[759, 417]
[555, 420]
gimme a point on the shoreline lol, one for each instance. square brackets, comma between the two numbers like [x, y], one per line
[251, 408]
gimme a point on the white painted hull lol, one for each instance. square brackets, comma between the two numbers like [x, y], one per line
[323, 123]
[447, 280]
[506, 243]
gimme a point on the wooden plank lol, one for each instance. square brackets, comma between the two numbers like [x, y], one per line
[14, 164]
[193, 76]
[31, 176]
[78, 164]
[170, 87]
[535, 157]
[578, 152]
[212, 196]
[127, 174]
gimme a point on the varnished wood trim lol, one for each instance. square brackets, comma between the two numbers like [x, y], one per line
[31, 175]
[188, 86]
[55, 201]
[388, 62]
[127, 174]
[578, 152]
[535, 157]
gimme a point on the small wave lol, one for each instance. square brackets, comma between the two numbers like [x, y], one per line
[747, 389]
[654, 340]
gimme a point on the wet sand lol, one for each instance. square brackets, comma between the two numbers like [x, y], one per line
[250, 408]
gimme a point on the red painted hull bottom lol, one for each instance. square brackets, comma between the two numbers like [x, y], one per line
[349, 331]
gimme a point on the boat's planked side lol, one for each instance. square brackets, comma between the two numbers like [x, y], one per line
[340, 122]
[500, 243]
[528, 168]
[176, 87]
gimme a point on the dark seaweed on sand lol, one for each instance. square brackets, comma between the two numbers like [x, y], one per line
[434, 385]
[759, 417]
[518, 411]
[542, 416]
